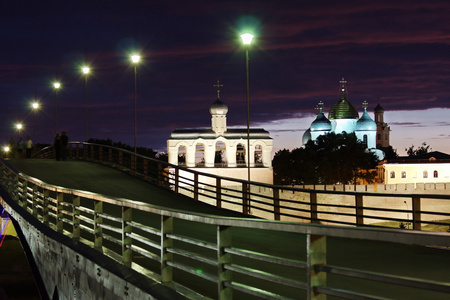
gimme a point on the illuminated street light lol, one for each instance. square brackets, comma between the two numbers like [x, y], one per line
[247, 40]
[135, 59]
[85, 72]
[57, 86]
[35, 107]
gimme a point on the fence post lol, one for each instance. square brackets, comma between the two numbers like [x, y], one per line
[276, 203]
[59, 213]
[127, 253]
[98, 220]
[35, 204]
[316, 255]
[196, 186]
[23, 200]
[223, 259]
[313, 203]
[45, 209]
[75, 217]
[218, 192]
[416, 213]
[245, 198]
[177, 180]
[166, 242]
[359, 209]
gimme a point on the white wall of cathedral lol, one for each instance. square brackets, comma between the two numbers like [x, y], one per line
[202, 152]
[316, 134]
[341, 125]
[368, 137]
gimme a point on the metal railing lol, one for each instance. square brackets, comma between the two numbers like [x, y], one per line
[349, 208]
[216, 257]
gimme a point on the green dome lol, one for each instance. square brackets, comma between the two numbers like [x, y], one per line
[343, 109]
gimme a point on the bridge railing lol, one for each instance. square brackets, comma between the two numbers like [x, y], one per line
[349, 208]
[222, 258]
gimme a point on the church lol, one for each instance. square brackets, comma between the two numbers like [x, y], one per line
[344, 117]
[222, 151]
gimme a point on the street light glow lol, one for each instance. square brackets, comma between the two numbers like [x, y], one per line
[35, 105]
[57, 85]
[19, 126]
[135, 58]
[86, 70]
[6, 149]
[247, 38]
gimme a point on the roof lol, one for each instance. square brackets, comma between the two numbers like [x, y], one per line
[207, 133]
[343, 109]
[430, 157]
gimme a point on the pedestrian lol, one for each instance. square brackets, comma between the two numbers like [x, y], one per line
[57, 146]
[20, 147]
[28, 147]
[64, 143]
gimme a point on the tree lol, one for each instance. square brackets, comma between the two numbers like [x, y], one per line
[424, 149]
[331, 158]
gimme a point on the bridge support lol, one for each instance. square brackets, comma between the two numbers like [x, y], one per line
[224, 275]
[316, 247]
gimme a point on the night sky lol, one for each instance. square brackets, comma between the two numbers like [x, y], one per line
[394, 52]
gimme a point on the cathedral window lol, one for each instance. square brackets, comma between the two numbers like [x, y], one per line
[392, 175]
[379, 136]
[403, 174]
[365, 140]
[435, 174]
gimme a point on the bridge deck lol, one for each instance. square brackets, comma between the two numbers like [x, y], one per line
[99, 179]
[398, 259]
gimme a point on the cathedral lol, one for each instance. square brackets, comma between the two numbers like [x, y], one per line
[344, 117]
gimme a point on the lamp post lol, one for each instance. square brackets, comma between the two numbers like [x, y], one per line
[247, 40]
[56, 85]
[85, 72]
[135, 59]
[35, 106]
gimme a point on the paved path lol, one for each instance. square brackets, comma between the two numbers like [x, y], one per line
[373, 256]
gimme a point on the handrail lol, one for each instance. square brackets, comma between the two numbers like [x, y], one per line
[212, 254]
[273, 202]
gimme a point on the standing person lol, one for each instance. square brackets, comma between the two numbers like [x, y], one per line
[20, 147]
[64, 143]
[57, 146]
[28, 147]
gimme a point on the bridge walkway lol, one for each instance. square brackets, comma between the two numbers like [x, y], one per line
[398, 259]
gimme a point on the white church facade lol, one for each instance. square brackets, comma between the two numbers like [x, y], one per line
[222, 151]
[344, 117]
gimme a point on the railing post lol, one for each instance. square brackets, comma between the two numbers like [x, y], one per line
[23, 200]
[45, 209]
[160, 175]
[98, 231]
[34, 205]
[127, 253]
[196, 186]
[166, 242]
[416, 214]
[316, 255]
[218, 192]
[224, 240]
[245, 198]
[359, 210]
[276, 204]
[313, 203]
[75, 217]
[59, 213]
[177, 180]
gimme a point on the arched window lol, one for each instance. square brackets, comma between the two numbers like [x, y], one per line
[240, 155]
[435, 174]
[425, 174]
[392, 175]
[365, 140]
[403, 174]
[182, 156]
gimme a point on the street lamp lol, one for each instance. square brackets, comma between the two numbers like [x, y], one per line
[135, 59]
[85, 72]
[57, 86]
[247, 40]
[35, 106]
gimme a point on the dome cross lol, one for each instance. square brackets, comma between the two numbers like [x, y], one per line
[218, 85]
